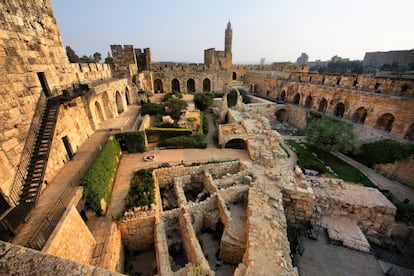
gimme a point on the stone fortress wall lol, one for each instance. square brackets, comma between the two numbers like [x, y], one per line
[32, 51]
[383, 104]
[378, 59]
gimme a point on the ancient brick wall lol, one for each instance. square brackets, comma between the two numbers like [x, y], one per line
[71, 238]
[298, 204]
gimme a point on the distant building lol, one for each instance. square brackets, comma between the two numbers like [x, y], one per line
[377, 59]
[303, 59]
[336, 58]
[262, 61]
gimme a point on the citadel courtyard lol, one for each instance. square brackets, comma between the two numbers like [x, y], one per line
[239, 205]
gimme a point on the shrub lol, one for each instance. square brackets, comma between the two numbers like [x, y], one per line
[167, 132]
[142, 190]
[383, 152]
[203, 101]
[204, 123]
[132, 141]
[194, 141]
[152, 109]
[98, 180]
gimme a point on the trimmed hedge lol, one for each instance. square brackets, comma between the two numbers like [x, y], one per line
[142, 190]
[167, 132]
[383, 152]
[194, 141]
[98, 180]
[204, 123]
[133, 141]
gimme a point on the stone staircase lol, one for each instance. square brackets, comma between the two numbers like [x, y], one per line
[32, 185]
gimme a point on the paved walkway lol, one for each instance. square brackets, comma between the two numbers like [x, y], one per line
[400, 191]
[323, 259]
[59, 191]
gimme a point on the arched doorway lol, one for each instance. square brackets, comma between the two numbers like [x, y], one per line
[107, 105]
[119, 105]
[232, 98]
[309, 102]
[234, 76]
[296, 98]
[323, 105]
[206, 85]
[282, 95]
[410, 133]
[158, 87]
[175, 85]
[339, 110]
[281, 115]
[98, 112]
[359, 115]
[385, 122]
[191, 86]
[236, 144]
[128, 101]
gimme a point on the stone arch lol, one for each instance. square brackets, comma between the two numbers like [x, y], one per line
[191, 85]
[234, 76]
[127, 96]
[339, 110]
[283, 95]
[323, 105]
[256, 88]
[236, 143]
[385, 122]
[175, 85]
[232, 98]
[309, 102]
[107, 105]
[206, 85]
[281, 115]
[410, 132]
[98, 112]
[296, 98]
[158, 87]
[359, 115]
[118, 100]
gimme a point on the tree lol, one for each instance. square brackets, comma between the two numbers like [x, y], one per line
[203, 100]
[86, 59]
[72, 56]
[332, 135]
[109, 60]
[97, 57]
[174, 107]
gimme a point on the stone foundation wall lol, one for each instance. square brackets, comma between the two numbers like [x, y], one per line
[371, 210]
[138, 233]
[164, 175]
[71, 238]
[298, 204]
[400, 170]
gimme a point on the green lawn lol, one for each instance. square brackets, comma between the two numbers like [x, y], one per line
[344, 171]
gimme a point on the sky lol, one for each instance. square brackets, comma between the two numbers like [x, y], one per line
[277, 30]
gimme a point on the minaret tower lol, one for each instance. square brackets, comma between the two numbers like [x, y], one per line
[227, 46]
[228, 38]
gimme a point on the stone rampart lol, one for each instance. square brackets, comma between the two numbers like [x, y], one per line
[18, 260]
